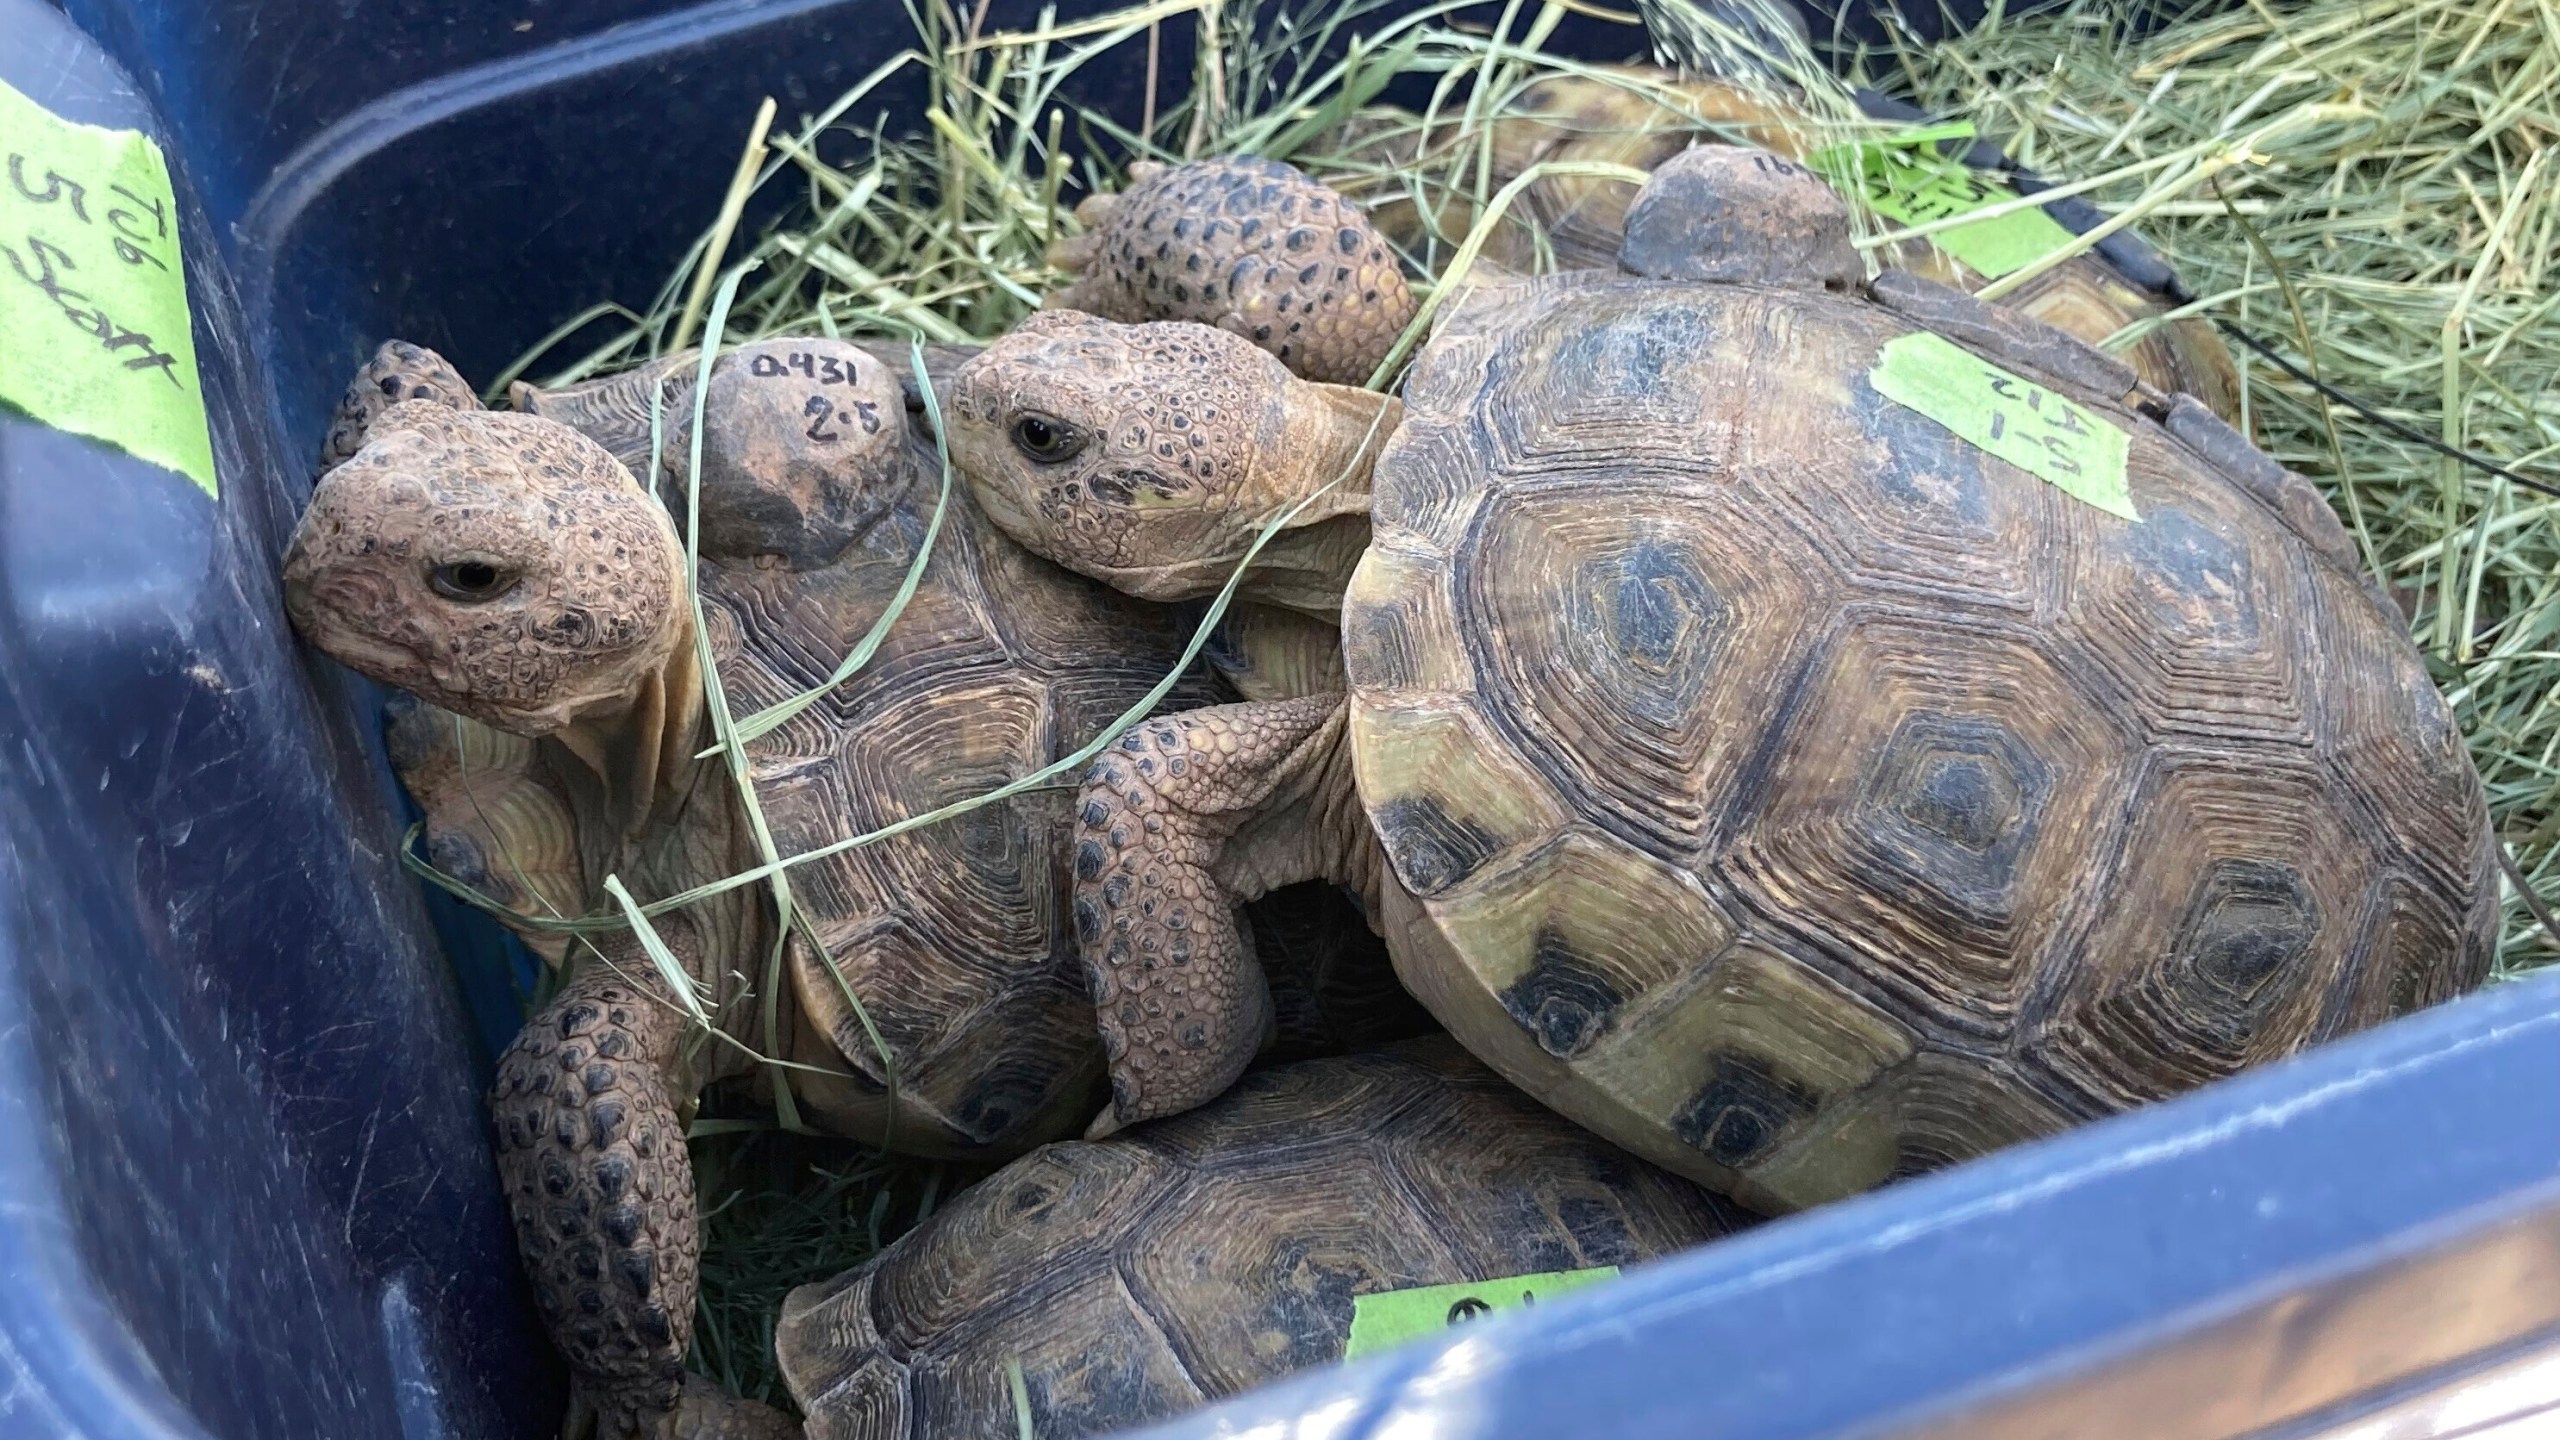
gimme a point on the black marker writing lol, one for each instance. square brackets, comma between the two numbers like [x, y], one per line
[48, 274]
[825, 369]
[55, 188]
[2062, 428]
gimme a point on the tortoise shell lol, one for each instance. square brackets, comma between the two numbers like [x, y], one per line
[953, 935]
[494, 822]
[1633, 120]
[1802, 797]
[1140, 1276]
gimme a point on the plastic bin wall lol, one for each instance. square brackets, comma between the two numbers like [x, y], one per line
[244, 1184]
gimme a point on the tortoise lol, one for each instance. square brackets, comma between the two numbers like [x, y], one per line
[1192, 241]
[507, 570]
[495, 820]
[1791, 790]
[1140, 1276]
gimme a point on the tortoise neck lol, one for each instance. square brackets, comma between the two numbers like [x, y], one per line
[1347, 848]
[1322, 469]
[639, 756]
[1307, 569]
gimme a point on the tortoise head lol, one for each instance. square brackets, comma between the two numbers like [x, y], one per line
[500, 566]
[1735, 212]
[1151, 456]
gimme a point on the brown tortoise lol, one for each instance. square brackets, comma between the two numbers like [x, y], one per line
[1734, 757]
[506, 569]
[1140, 1276]
[1255, 247]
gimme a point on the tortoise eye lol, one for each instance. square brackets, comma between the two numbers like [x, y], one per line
[1046, 440]
[472, 582]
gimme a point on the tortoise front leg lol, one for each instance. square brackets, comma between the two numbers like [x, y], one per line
[592, 1156]
[1186, 818]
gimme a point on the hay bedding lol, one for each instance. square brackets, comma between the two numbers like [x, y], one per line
[2364, 192]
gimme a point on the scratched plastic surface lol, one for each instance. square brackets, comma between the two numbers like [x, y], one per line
[243, 1185]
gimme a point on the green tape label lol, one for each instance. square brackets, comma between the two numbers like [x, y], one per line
[1916, 186]
[95, 334]
[1396, 1316]
[2031, 427]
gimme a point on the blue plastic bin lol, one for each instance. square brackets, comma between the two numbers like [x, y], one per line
[244, 1186]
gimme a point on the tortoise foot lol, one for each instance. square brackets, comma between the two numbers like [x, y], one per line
[601, 1190]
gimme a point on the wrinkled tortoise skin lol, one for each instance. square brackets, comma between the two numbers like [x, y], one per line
[955, 935]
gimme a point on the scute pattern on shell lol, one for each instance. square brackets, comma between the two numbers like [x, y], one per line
[951, 933]
[1255, 247]
[1001, 664]
[1669, 614]
[494, 821]
[1624, 115]
[2083, 297]
[1137, 1277]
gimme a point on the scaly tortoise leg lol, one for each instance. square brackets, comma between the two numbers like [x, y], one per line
[592, 1156]
[398, 371]
[1183, 820]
